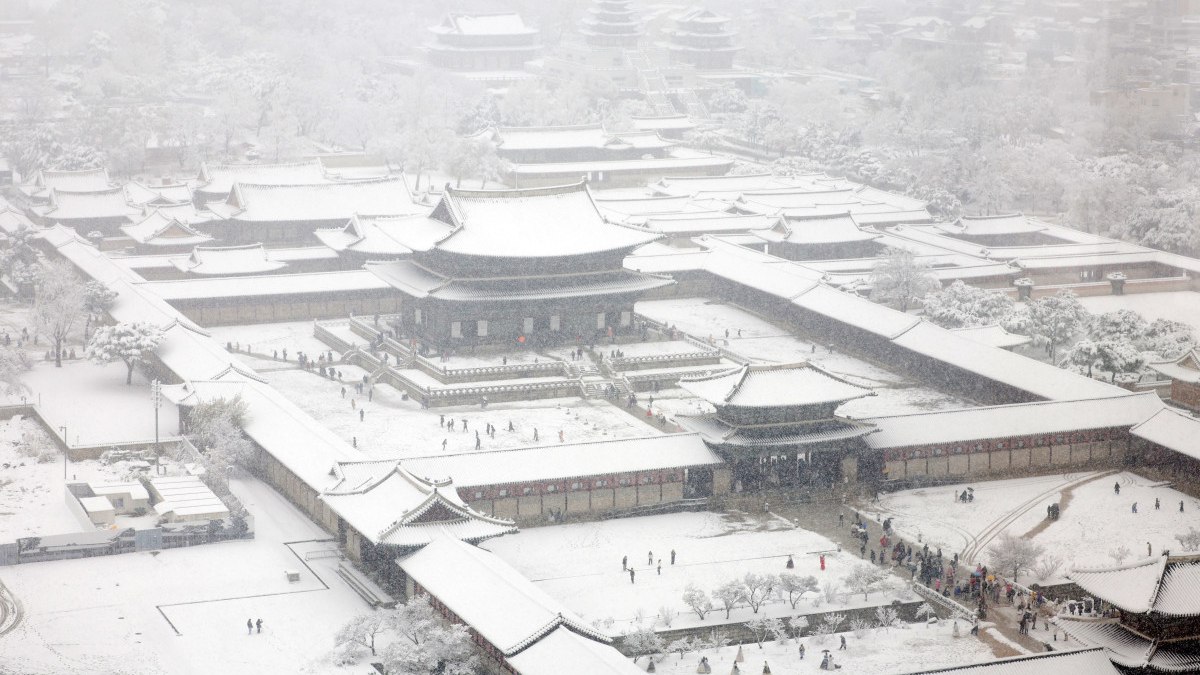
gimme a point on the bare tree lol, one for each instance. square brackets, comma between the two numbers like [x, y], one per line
[1190, 541]
[362, 631]
[864, 578]
[757, 589]
[728, 594]
[763, 628]
[1015, 555]
[58, 304]
[796, 586]
[697, 600]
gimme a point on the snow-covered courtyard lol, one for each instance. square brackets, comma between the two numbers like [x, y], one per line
[185, 610]
[759, 340]
[1094, 524]
[394, 427]
[901, 649]
[580, 565]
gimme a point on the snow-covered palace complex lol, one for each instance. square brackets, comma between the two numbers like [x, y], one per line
[429, 375]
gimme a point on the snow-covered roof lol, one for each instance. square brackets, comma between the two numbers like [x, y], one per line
[419, 282]
[249, 202]
[516, 615]
[390, 505]
[1172, 429]
[993, 336]
[135, 490]
[218, 179]
[719, 432]
[388, 236]
[1005, 421]
[663, 123]
[773, 385]
[677, 161]
[1035, 377]
[1076, 662]
[342, 281]
[563, 646]
[856, 311]
[704, 223]
[1131, 587]
[980, 226]
[165, 227]
[589, 136]
[729, 185]
[83, 180]
[500, 23]
[65, 206]
[1122, 646]
[1186, 368]
[643, 206]
[228, 260]
[833, 229]
[530, 223]
[757, 270]
[571, 460]
[168, 193]
[12, 220]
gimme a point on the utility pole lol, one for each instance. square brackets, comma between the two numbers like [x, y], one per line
[156, 397]
[66, 449]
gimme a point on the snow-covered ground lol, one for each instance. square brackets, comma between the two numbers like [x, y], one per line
[580, 564]
[94, 403]
[267, 338]
[879, 652]
[184, 610]
[1178, 306]
[1094, 522]
[761, 341]
[393, 427]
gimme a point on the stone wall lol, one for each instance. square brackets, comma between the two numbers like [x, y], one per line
[996, 458]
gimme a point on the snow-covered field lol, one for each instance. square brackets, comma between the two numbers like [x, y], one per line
[94, 403]
[764, 342]
[580, 564]
[393, 427]
[879, 652]
[1178, 306]
[121, 614]
[1094, 522]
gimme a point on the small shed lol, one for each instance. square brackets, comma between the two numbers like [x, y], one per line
[99, 510]
[125, 497]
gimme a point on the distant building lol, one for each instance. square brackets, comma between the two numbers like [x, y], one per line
[611, 23]
[1184, 373]
[517, 267]
[491, 46]
[103, 211]
[703, 39]
[542, 156]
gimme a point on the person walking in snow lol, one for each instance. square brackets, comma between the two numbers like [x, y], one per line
[1157, 504]
[660, 568]
[1149, 550]
[624, 563]
[672, 556]
[249, 626]
[1135, 507]
[843, 647]
[631, 573]
[801, 651]
[362, 412]
[259, 625]
[1181, 506]
[650, 558]
[1116, 488]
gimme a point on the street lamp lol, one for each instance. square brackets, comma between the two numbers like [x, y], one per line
[66, 449]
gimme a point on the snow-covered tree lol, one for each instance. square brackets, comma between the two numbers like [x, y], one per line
[697, 600]
[886, 617]
[131, 343]
[97, 299]
[1047, 567]
[1169, 339]
[681, 646]
[859, 627]
[728, 594]
[1120, 553]
[1119, 357]
[215, 427]
[57, 304]
[798, 624]
[644, 642]
[1056, 319]
[13, 364]
[796, 586]
[901, 280]
[464, 158]
[362, 631]
[864, 579]
[757, 589]
[764, 628]
[925, 611]
[1014, 555]
[426, 644]
[1190, 540]
[1084, 355]
[962, 306]
[832, 622]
